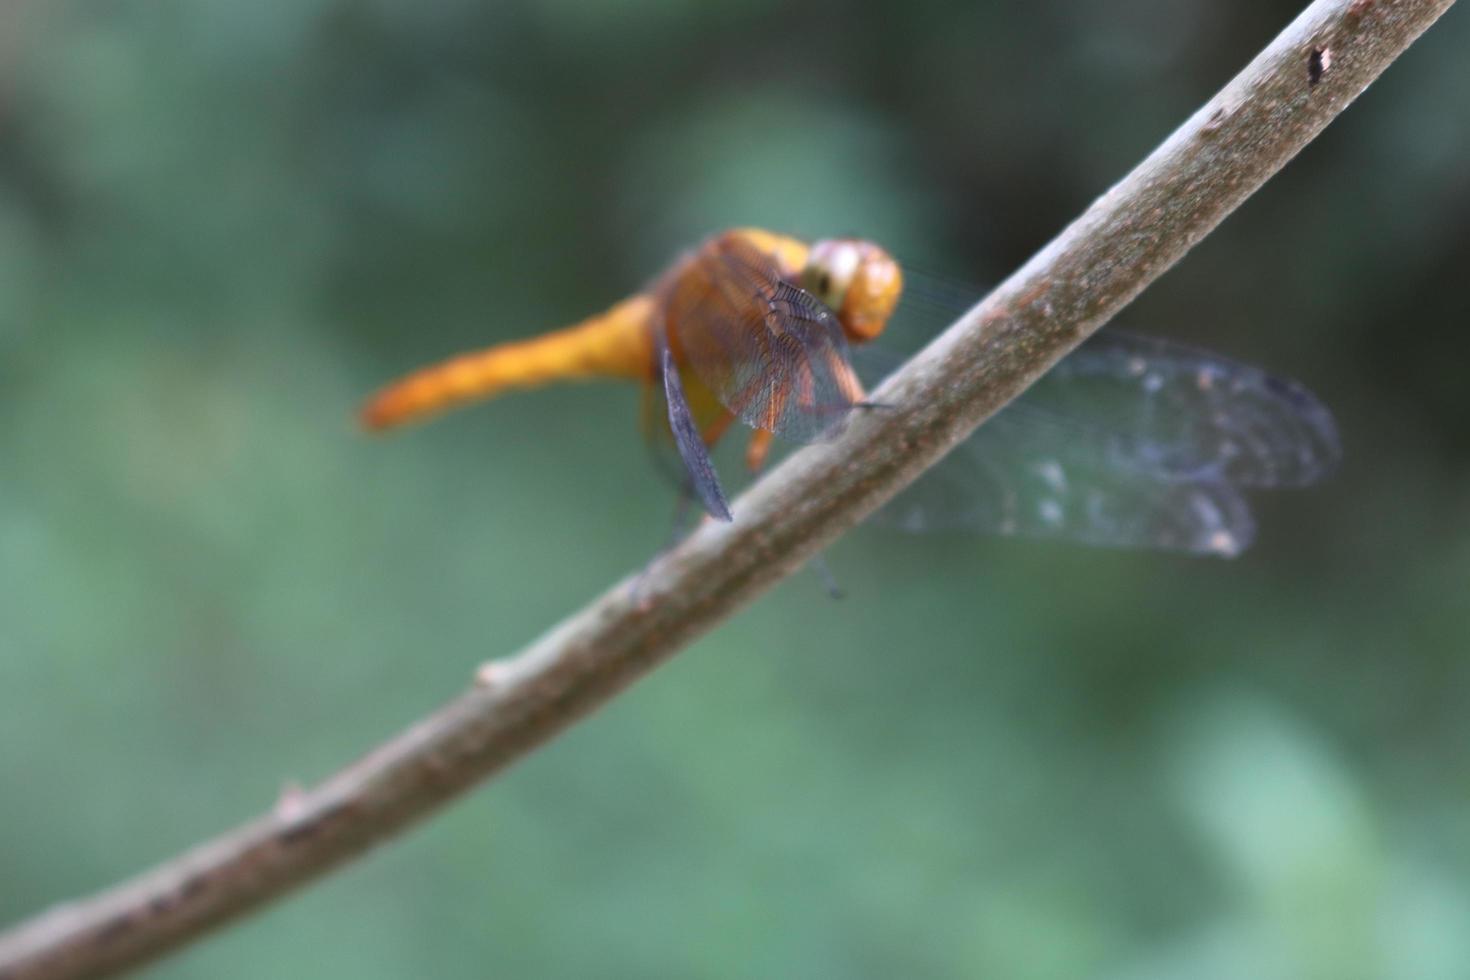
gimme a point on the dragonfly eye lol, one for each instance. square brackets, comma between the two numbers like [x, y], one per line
[829, 271]
[858, 280]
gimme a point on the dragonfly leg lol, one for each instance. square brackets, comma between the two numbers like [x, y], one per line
[717, 428]
[819, 565]
[759, 448]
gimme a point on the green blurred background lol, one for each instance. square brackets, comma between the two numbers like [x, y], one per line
[223, 223]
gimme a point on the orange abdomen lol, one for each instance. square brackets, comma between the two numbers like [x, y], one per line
[616, 344]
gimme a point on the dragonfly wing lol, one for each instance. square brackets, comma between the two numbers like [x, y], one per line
[1129, 442]
[1186, 414]
[690, 442]
[653, 419]
[1023, 473]
[658, 437]
[771, 352]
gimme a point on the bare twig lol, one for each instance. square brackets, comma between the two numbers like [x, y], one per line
[1125, 240]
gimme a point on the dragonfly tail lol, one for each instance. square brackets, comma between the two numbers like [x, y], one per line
[616, 344]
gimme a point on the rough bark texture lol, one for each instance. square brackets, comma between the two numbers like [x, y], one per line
[1124, 241]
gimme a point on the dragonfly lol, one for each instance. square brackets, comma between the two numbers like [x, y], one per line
[1128, 442]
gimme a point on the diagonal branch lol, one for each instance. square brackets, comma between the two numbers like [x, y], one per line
[1124, 241]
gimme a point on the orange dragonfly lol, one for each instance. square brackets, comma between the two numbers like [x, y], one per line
[1127, 442]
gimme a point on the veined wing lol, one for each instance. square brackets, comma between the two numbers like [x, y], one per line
[1027, 473]
[689, 440]
[1130, 442]
[1188, 414]
[771, 352]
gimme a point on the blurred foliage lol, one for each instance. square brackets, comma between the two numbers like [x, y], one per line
[222, 223]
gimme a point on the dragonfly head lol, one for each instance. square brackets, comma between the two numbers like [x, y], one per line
[858, 280]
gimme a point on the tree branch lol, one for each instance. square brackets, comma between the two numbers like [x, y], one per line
[1124, 241]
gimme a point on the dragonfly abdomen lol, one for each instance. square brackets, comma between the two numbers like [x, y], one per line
[615, 344]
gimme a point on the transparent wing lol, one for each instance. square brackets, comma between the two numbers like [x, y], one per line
[689, 441]
[654, 417]
[1025, 473]
[1184, 413]
[1129, 442]
[771, 352]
